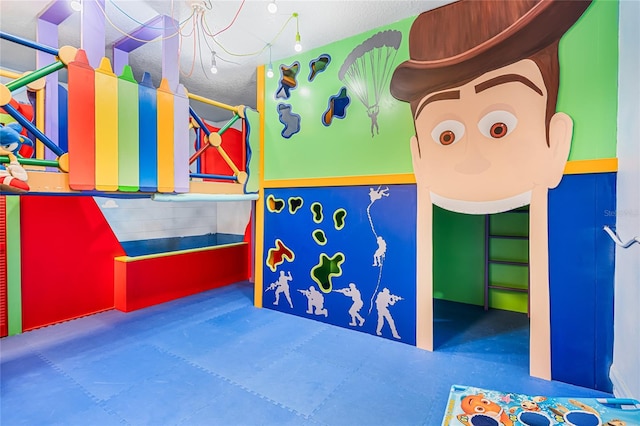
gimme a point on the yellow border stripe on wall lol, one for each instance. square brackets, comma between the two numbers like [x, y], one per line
[604, 165]
[259, 205]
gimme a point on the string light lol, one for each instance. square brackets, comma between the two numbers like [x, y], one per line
[297, 47]
[76, 5]
[214, 67]
[270, 69]
[272, 7]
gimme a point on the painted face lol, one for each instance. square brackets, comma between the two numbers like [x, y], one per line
[478, 404]
[530, 405]
[482, 147]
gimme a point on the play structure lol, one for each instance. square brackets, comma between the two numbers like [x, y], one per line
[108, 135]
[124, 136]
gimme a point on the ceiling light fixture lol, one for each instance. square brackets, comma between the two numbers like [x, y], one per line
[76, 5]
[297, 46]
[270, 69]
[214, 67]
[272, 7]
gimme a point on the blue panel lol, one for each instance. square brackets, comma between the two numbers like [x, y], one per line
[63, 119]
[148, 134]
[391, 216]
[163, 245]
[581, 279]
[605, 269]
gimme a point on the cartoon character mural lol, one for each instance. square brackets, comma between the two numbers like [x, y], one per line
[13, 177]
[488, 137]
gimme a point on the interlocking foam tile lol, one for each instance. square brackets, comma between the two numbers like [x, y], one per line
[113, 371]
[237, 406]
[167, 398]
[372, 401]
[41, 398]
[312, 381]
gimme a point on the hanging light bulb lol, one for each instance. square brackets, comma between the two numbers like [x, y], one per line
[270, 69]
[76, 5]
[297, 46]
[272, 7]
[214, 67]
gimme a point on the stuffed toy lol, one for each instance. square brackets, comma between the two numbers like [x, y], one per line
[13, 177]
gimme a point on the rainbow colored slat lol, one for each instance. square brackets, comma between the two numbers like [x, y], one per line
[106, 101]
[128, 122]
[125, 136]
[81, 135]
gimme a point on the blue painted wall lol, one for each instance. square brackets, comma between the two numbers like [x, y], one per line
[393, 218]
[581, 273]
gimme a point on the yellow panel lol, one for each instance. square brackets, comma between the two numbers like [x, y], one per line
[106, 127]
[603, 165]
[165, 137]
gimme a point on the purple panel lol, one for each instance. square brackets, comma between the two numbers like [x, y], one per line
[120, 59]
[56, 12]
[143, 32]
[47, 34]
[181, 140]
[93, 31]
[170, 54]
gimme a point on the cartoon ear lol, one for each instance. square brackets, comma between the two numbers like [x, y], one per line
[415, 152]
[560, 135]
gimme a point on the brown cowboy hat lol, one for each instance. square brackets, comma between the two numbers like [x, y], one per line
[456, 42]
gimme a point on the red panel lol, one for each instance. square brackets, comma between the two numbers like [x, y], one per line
[67, 259]
[4, 320]
[147, 282]
[233, 144]
[82, 150]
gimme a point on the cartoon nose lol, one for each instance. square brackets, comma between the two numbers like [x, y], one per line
[473, 162]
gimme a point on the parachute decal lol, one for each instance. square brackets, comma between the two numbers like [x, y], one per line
[367, 70]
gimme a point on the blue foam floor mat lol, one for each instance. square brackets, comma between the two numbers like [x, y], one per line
[214, 359]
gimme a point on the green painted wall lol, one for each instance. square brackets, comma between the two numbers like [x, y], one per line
[588, 93]
[345, 148]
[14, 276]
[458, 256]
[589, 81]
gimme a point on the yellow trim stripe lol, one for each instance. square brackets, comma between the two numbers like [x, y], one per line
[259, 225]
[602, 165]
[128, 259]
[343, 181]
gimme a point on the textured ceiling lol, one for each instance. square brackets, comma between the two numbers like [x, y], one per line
[320, 22]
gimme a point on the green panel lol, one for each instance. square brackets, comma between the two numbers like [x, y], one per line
[589, 81]
[128, 137]
[516, 224]
[509, 275]
[510, 250]
[458, 256]
[508, 301]
[345, 147]
[14, 275]
[253, 169]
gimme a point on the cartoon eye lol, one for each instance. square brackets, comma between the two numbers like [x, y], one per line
[485, 401]
[478, 409]
[497, 124]
[448, 132]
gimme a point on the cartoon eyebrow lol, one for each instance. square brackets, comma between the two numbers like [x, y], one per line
[508, 78]
[452, 94]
